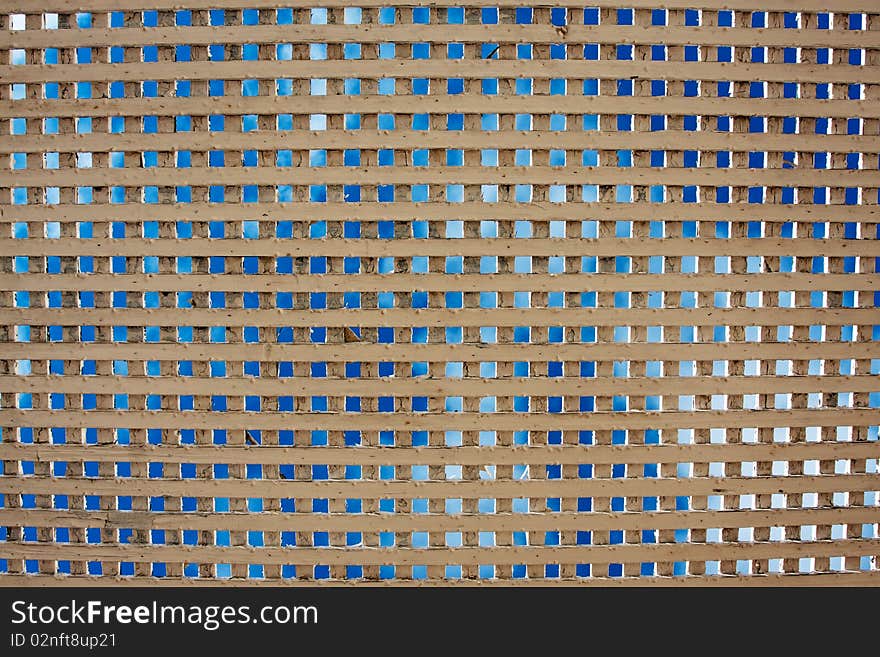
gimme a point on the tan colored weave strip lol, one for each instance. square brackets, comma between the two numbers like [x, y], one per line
[509, 293]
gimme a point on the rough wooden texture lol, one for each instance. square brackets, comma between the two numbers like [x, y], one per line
[508, 293]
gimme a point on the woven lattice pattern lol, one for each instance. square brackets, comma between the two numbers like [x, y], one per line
[498, 293]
